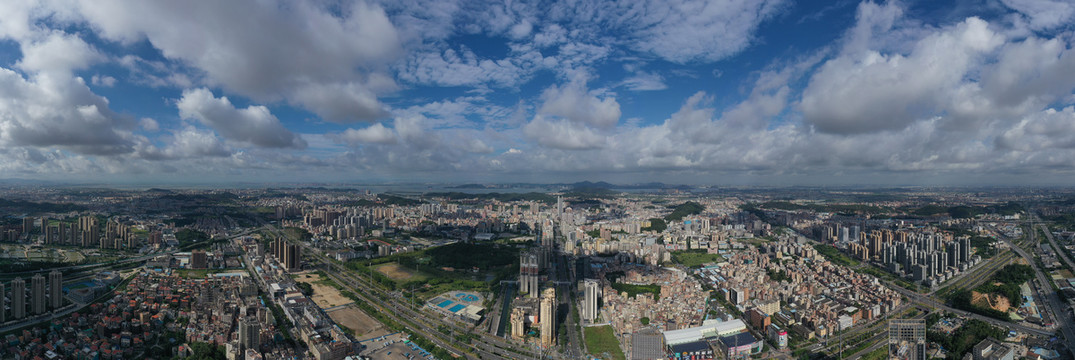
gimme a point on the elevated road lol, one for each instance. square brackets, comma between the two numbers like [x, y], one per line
[393, 305]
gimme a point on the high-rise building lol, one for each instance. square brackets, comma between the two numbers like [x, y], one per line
[518, 323]
[65, 235]
[156, 238]
[56, 289]
[199, 259]
[249, 333]
[3, 303]
[528, 273]
[27, 225]
[278, 249]
[559, 207]
[548, 317]
[292, 257]
[37, 300]
[18, 298]
[591, 294]
[88, 231]
[907, 339]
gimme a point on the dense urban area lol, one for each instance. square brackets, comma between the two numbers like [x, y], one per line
[565, 271]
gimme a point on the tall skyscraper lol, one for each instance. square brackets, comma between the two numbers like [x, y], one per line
[528, 273]
[548, 317]
[591, 293]
[559, 207]
[3, 303]
[56, 289]
[37, 300]
[249, 333]
[907, 339]
[27, 225]
[199, 259]
[18, 298]
[292, 257]
[518, 323]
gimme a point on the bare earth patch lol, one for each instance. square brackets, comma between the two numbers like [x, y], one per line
[991, 301]
[395, 272]
[355, 319]
[324, 296]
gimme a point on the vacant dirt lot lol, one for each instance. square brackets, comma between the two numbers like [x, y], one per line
[355, 319]
[993, 301]
[325, 296]
[395, 272]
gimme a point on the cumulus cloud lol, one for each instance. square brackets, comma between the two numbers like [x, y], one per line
[563, 134]
[868, 91]
[188, 142]
[254, 124]
[148, 124]
[57, 52]
[57, 110]
[894, 95]
[103, 80]
[266, 51]
[376, 133]
[573, 102]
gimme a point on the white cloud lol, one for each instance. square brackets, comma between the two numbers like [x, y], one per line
[265, 50]
[1044, 14]
[189, 142]
[57, 110]
[148, 124]
[451, 67]
[376, 133]
[341, 102]
[58, 52]
[688, 30]
[573, 102]
[868, 91]
[254, 124]
[563, 134]
[643, 81]
[103, 81]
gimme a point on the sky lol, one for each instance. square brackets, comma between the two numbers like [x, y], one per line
[771, 92]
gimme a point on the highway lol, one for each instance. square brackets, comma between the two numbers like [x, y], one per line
[976, 276]
[69, 279]
[1050, 297]
[1049, 236]
[394, 306]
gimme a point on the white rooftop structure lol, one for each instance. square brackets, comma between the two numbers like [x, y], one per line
[709, 329]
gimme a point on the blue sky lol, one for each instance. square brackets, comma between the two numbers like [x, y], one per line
[683, 91]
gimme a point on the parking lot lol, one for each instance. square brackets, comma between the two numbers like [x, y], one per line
[393, 347]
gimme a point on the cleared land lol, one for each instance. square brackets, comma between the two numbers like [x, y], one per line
[365, 327]
[196, 273]
[990, 301]
[395, 272]
[601, 343]
[324, 296]
[695, 258]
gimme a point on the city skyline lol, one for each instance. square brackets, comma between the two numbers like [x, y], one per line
[773, 92]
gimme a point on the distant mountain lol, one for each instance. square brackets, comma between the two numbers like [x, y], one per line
[593, 185]
[473, 186]
[574, 186]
